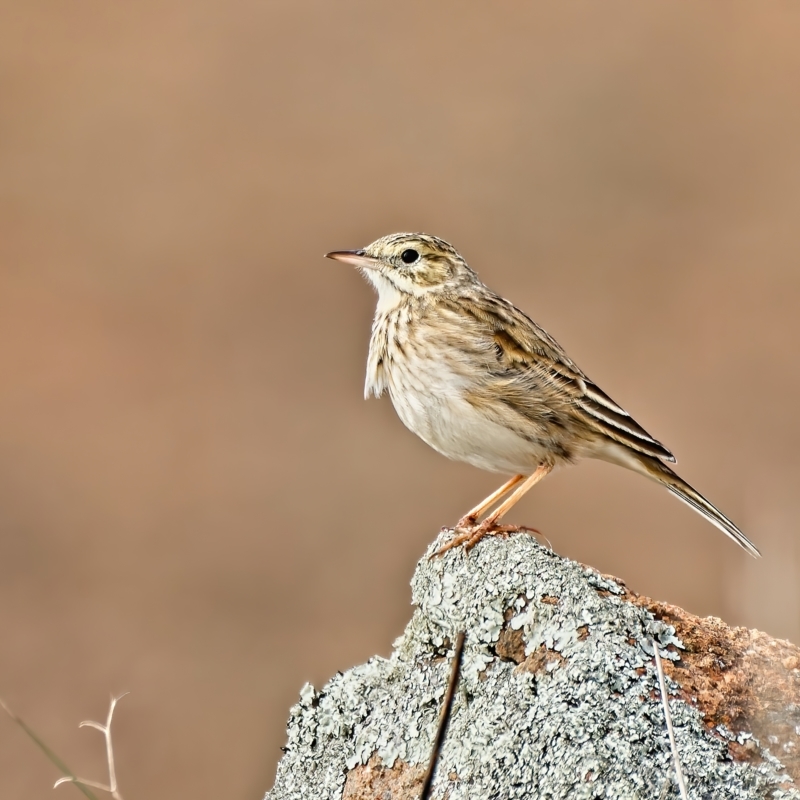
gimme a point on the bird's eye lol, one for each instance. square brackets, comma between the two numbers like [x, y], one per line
[409, 256]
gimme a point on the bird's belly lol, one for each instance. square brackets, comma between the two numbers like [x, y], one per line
[430, 402]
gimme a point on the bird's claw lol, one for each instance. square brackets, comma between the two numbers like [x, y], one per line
[470, 535]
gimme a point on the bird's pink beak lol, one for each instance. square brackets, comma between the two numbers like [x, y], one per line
[354, 257]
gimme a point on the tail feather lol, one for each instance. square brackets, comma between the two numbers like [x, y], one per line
[657, 470]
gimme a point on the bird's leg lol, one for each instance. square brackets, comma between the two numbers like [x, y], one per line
[541, 472]
[470, 537]
[471, 517]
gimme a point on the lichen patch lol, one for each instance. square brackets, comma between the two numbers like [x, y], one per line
[741, 680]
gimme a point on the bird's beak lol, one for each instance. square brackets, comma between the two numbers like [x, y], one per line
[354, 257]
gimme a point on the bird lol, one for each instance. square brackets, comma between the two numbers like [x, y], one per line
[480, 382]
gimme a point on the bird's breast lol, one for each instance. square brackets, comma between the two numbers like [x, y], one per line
[429, 383]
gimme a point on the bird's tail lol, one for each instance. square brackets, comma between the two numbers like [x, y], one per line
[663, 474]
[657, 470]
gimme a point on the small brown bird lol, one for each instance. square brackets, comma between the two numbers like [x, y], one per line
[481, 382]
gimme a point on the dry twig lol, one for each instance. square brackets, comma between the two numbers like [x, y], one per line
[444, 718]
[112, 773]
[662, 683]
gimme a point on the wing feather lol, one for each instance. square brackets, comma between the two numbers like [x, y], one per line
[526, 350]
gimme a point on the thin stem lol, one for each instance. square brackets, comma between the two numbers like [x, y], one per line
[112, 771]
[662, 683]
[444, 718]
[45, 749]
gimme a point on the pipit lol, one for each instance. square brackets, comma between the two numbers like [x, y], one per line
[481, 382]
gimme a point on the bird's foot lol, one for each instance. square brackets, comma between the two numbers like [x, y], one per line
[467, 522]
[470, 534]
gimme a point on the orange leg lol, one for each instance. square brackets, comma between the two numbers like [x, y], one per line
[470, 537]
[541, 472]
[471, 517]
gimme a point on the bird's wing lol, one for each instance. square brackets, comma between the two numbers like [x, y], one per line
[529, 357]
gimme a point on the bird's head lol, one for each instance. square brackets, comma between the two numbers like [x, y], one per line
[409, 264]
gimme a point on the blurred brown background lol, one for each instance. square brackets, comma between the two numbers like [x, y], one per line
[196, 504]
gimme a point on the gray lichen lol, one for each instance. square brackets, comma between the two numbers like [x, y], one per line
[587, 724]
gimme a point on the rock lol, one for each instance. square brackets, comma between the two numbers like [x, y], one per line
[558, 696]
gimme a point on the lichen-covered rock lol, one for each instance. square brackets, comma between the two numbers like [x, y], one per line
[558, 696]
